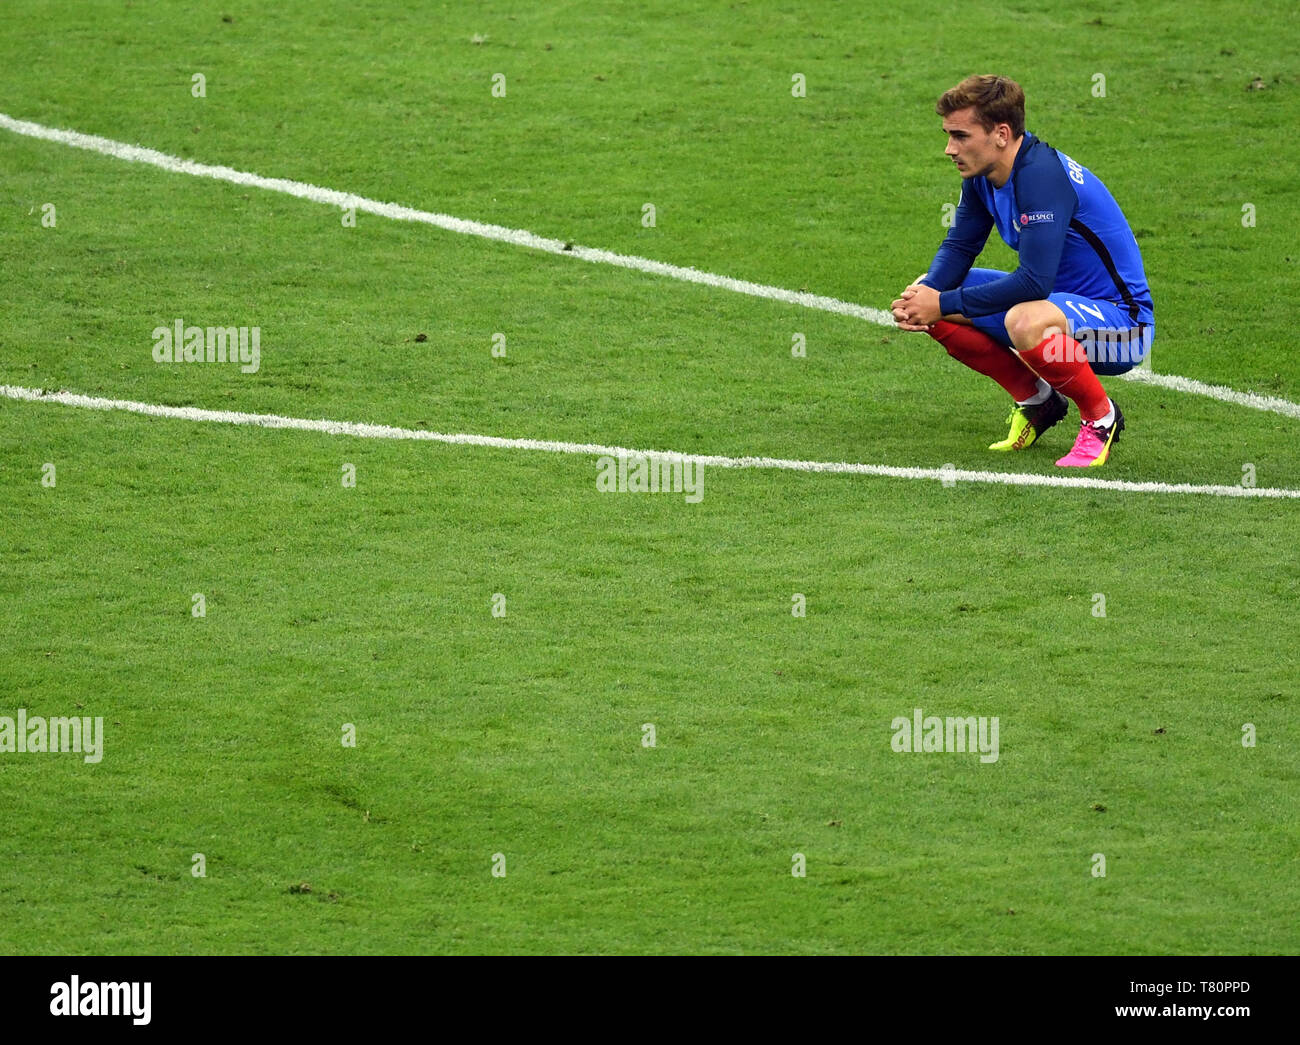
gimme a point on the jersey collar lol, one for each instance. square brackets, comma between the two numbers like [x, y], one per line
[1029, 142]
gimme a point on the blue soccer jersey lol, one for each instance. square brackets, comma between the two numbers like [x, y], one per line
[1069, 232]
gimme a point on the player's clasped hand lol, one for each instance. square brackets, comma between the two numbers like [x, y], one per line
[917, 308]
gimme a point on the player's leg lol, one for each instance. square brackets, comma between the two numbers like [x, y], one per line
[977, 344]
[983, 345]
[1041, 333]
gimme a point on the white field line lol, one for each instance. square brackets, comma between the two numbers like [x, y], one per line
[368, 431]
[522, 238]
[1223, 394]
[518, 237]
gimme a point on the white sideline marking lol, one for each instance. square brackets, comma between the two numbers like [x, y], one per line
[519, 237]
[368, 431]
[1220, 392]
[522, 238]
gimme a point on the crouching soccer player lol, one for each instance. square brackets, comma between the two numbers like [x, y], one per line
[1077, 306]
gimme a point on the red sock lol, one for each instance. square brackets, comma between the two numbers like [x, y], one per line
[1062, 363]
[981, 353]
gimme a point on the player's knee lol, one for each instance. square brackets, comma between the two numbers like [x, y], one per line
[1018, 322]
[1028, 324]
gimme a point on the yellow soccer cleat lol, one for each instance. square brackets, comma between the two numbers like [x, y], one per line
[1029, 422]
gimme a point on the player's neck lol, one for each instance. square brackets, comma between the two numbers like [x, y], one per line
[1002, 170]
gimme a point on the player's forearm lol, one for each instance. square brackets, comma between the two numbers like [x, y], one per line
[997, 296]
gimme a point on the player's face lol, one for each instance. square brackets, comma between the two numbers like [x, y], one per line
[970, 146]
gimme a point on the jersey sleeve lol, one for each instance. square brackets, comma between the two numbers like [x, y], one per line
[962, 245]
[1047, 202]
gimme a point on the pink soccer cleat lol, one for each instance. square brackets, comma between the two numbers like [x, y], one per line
[1092, 448]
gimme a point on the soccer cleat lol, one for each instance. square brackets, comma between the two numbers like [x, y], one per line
[1029, 422]
[1092, 448]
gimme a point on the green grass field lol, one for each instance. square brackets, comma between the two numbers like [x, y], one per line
[480, 734]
